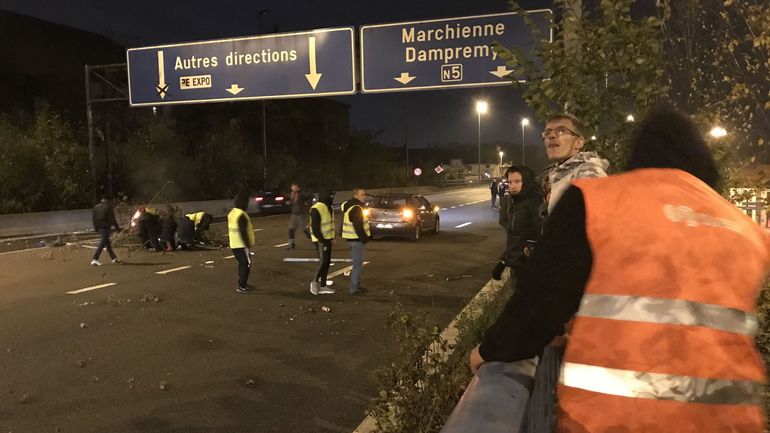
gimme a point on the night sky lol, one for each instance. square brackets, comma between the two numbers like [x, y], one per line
[434, 117]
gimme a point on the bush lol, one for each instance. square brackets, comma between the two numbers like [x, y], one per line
[420, 387]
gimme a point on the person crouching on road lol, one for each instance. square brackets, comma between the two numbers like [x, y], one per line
[104, 220]
[241, 234]
[355, 230]
[167, 228]
[201, 221]
[322, 234]
[520, 217]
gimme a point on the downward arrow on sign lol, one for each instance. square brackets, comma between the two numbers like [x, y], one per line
[313, 77]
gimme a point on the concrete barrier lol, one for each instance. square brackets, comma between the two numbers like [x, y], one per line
[72, 221]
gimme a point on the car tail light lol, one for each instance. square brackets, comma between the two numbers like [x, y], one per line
[258, 198]
[407, 214]
[279, 198]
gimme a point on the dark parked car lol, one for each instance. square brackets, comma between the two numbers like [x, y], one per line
[406, 215]
[272, 201]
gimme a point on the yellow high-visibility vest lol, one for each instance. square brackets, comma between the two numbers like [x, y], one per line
[327, 222]
[348, 231]
[195, 217]
[236, 241]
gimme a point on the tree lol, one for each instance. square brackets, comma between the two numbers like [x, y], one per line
[601, 66]
[22, 184]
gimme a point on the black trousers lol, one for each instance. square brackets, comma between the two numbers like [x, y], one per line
[324, 249]
[104, 242]
[244, 266]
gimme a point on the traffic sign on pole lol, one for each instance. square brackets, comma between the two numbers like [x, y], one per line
[311, 63]
[438, 169]
[417, 171]
[453, 52]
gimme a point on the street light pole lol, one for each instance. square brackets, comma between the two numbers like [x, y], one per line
[264, 116]
[524, 123]
[481, 108]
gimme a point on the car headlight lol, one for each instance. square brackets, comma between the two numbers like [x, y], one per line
[407, 214]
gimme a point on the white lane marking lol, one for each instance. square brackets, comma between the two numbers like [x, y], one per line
[21, 251]
[341, 271]
[168, 271]
[88, 246]
[257, 230]
[100, 286]
[460, 205]
[463, 225]
[230, 257]
[304, 259]
[443, 208]
[281, 245]
[453, 207]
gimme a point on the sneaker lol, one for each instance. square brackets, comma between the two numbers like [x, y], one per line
[291, 248]
[95, 262]
[314, 287]
[326, 291]
[115, 260]
[242, 290]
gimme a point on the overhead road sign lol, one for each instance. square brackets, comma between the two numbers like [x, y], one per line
[287, 65]
[452, 52]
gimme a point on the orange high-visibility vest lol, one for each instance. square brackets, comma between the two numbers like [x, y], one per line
[663, 339]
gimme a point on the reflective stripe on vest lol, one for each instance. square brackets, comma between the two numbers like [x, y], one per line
[667, 311]
[327, 222]
[662, 341]
[639, 384]
[234, 232]
[348, 230]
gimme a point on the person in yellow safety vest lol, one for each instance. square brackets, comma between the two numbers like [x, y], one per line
[322, 234]
[202, 220]
[355, 230]
[241, 234]
[661, 276]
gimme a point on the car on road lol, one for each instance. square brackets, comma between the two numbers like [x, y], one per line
[272, 201]
[403, 215]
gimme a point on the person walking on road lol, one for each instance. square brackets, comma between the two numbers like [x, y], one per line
[241, 234]
[493, 191]
[322, 234]
[355, 230]
[104, 220]
[655, 277]
[299, 211]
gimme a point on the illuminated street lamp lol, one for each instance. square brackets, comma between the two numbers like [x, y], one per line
[524, 123]
[630, 118]
[501, 163]
[481, 108]
[718, 132]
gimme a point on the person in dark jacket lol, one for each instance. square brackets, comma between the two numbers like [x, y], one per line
[148, 224]
[493, 190]
[104, 220]
[185, 234]
[520, 217]
[322, 235]
[300, 203]
[167, 228]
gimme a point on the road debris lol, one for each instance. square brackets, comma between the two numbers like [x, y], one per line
[325, 309]
[164, 386]
[458, 277]
[26, 398]
[84, 325]
[80, 363]
[150, 297]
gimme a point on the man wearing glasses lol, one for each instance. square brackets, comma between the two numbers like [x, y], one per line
[563, 139]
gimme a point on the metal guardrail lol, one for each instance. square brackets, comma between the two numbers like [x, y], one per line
[495, 401]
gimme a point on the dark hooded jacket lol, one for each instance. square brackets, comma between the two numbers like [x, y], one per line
[520, 217]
